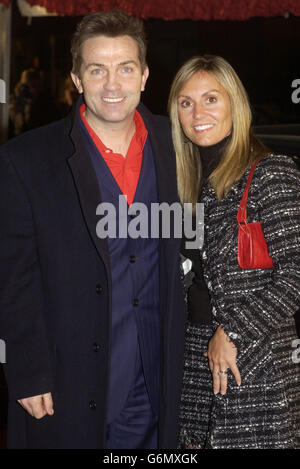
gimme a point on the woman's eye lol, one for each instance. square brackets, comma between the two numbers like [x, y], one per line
[212, 99]
[185, 104]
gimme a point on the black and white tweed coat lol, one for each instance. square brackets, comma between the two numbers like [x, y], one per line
[256, 308]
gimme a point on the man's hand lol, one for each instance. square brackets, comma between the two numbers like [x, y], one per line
[222, 355]
[38, 406]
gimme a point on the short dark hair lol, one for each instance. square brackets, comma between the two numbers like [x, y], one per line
[111, 23]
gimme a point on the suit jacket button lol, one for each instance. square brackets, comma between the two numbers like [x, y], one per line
[96, 347]
[132, 259]
[135, 302]
[92, 405]
[98, 288]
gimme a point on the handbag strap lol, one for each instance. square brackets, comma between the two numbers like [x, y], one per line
[242, 211]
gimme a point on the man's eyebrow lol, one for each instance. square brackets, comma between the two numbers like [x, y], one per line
[126, 62]
[93, 65]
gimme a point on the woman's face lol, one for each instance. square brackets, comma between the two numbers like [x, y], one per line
[204, 109]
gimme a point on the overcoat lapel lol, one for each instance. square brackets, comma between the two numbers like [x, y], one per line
[88, 191]
[164, 158]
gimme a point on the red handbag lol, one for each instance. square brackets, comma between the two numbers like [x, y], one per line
[252, 246]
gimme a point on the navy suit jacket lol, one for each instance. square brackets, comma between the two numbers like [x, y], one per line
[55, 288]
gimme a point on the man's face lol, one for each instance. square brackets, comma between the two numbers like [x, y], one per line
[111, 79]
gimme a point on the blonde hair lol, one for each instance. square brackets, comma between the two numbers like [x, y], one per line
[241, 149]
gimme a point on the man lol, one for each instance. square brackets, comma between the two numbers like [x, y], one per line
[94, 327]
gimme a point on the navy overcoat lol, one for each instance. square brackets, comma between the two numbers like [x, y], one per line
[55, 288]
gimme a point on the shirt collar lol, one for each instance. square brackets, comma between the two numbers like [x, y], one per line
[138, 139]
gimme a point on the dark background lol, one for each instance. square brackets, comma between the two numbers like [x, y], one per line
[264, 52]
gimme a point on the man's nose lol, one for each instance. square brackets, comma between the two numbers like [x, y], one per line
[111, 82]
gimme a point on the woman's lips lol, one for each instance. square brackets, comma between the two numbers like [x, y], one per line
[203, 127]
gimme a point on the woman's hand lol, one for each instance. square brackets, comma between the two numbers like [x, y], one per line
[222, 355]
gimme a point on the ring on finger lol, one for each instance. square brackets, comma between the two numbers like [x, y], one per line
[223, 372]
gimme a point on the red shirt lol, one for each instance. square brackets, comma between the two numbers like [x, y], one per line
[126, 171]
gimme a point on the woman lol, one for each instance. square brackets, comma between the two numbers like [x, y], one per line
[241, 383]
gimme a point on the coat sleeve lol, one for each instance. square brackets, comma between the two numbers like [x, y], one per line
[256, 315]
[22, 328]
